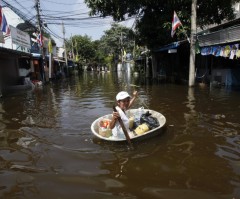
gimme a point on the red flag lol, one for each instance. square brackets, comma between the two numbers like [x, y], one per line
[175, 23]
[0, 16]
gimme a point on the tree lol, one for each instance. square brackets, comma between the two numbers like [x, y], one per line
[99, 54]
[153, 21]
[83, 47]
[116, 40]
[104, 50]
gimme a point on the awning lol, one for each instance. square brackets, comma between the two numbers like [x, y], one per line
[15, 52]
[173, 45]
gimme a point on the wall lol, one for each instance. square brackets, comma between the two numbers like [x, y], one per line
[8, 70]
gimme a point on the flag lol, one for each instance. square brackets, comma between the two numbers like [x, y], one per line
[77, 58]
[4, 27]
[175, 23]
[50, 45]
[124, 53]
[39, 39]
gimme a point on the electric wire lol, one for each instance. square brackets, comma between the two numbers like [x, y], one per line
[28, 11]
[67, 4]
[19, 13]
[54, 12]
[55, 33]
[75, 19]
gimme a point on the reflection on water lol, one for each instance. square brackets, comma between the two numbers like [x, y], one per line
[191, 115]
[48, 150]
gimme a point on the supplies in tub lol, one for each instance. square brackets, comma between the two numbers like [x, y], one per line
[139, 113]
[141, 129]
[131, 122]
[147, 122]
[131, 119]
[103, 128]
[137, 117]
[151, 121]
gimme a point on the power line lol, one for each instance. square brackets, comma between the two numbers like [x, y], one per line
[67, 4]
[61, 16]
[20, 14]
[55, 35]
[23, 7]
[70, 18]
[54, 12]
[76, 19]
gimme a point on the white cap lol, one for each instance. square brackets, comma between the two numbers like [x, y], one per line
[122, 95]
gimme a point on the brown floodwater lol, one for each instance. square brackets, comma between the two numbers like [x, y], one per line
[47, 150]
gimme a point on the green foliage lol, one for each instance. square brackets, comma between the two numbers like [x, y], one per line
[104, 50]
[82, 46]
[116, 38]
[108, 60]
[214, 11]
[154, 17]
[99, 54]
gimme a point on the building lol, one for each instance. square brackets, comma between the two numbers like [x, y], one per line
[20, 56]
[15, 66]
[217, 59]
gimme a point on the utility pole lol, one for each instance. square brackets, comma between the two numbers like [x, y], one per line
[73, 55]
[77, 55]
[147, 66]
[65, 50]
[37, 5]
[121, 44]
[192, 44]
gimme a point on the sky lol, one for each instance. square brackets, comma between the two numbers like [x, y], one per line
[61, 9]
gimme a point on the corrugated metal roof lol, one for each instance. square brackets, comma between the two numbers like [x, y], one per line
[10, 51]
[167, 47]
[170, 46]
[224, 36]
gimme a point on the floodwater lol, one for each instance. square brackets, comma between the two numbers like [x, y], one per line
[47, 150]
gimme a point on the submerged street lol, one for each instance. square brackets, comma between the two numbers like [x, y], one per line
[47, 149]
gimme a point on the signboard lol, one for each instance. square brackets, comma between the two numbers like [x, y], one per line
[20, 38]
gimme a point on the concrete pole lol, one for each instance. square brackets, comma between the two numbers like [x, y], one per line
[122, 49]
[65, 50]
[147, 66]
[50, 66]
[192, 44]
[0, 88]
[154, 66]
[73, 55]
[37, 5]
